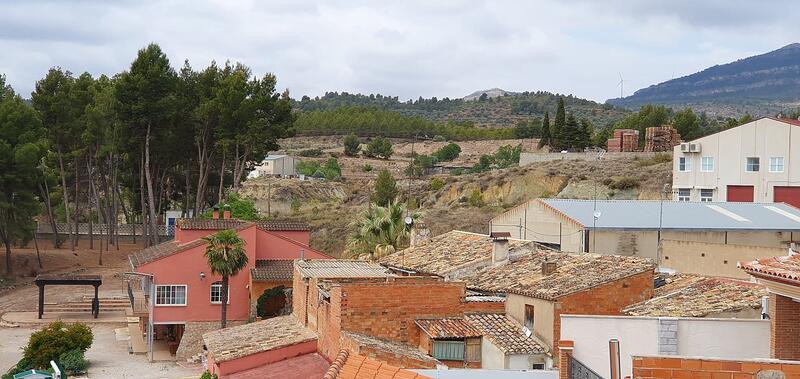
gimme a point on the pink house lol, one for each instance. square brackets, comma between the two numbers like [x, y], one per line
[188, 296]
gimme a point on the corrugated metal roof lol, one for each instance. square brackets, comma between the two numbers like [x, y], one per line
[679, 215]
[444, 328]
[337, 268]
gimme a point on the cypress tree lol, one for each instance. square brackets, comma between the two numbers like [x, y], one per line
[557, 133]
[546, 138]
[570, 133]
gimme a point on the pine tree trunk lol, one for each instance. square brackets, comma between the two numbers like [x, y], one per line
[143, 203]
[224, 296]
[65, 200]
[7, 243]
[221, 180]
[90, 198]
[151, 199]
[75, 237]
[46, 197]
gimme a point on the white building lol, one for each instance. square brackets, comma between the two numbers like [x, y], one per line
[755, 162]
[274, 165]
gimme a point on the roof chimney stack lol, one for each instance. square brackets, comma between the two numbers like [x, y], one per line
[500, 247]
[226, 213]
[548, 267]
[215, 212]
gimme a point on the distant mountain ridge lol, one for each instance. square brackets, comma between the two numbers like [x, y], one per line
[490, 93]
[761, 85]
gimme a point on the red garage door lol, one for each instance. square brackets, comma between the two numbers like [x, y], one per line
[741, 194]
[788, 195]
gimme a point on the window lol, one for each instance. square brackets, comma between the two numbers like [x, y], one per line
[707, 164]
[529, 317]
[537, 366]
[776, 164]
[216, 293]
[684, 194]
[684, 164]
[706, 195]
[448, 350]
[171, 295]
[753, 164]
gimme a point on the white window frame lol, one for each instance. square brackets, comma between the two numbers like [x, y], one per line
[773, 162]
[211, 293]
[749, 168]
[687, 197]
[185, 295]
[687, 164]
[705, 199]
[704, 167]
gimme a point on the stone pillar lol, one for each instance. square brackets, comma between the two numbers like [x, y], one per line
[565, 348]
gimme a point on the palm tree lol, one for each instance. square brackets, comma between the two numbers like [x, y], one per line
[226, 257]
[381, 230]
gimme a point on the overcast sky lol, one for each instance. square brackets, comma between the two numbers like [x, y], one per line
[406, 48]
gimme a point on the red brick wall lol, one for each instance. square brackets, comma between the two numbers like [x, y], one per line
[784, 328]
[299, 288]
[484, 307]
[608, 299]
[679, 367]
[388, 357]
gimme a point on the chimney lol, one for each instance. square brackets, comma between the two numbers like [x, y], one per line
[419, 234]
[215, 212]
[226, 213]
[500, 247]
[548, 267]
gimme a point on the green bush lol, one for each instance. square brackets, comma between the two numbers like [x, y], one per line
[366, 168]
[208, 375]
[385, 188]
[475, 199]
[73, 362]
[330, 170]
[624, 183]
[448, 152]
[656, 159]
[379, 147]
[437, 184]
[351, 145]
[315, 152]
[241, 208]
[54, 340]
[439, 138]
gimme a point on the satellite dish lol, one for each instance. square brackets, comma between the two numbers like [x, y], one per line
[409, 220]
[597, 214]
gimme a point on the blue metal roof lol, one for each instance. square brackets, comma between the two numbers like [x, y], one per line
[679, 215]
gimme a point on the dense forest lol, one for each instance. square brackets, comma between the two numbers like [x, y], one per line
[96, 149]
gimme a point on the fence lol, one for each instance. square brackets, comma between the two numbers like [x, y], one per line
[102, 229]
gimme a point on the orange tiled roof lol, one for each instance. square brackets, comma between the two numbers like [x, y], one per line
[352, 366]
[782, 268]
[444, 328]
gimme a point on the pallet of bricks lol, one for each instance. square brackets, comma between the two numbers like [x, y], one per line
[623, 140]
[661, 138]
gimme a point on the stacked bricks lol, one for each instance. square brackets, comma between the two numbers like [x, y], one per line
[624, 140]
[680, 367]
[784, 328]
[661, 138]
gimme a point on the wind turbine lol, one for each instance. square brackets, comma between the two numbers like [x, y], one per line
[621, 85]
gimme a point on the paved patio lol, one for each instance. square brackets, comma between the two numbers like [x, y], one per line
[32, 318]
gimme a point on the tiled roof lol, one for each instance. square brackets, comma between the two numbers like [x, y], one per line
[783, 268]
[248, 339]
[159, 251]
[505, 333]
[232, 223]
[352, 366]
[573, 273]
[448, 252]
[273, 270]
[283, 225]
[446, 328]
[698, 296]
[339, 268]
[393, 347]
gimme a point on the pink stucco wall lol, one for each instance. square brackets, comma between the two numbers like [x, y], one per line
[272, 245]
[260, 359]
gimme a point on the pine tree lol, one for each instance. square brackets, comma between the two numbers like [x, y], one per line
[570, 133]
[385, 189]
[546, 138]
[586, 130]
[557, 134]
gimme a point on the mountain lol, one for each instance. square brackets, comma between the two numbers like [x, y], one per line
[491, 93]
[498, 110]
[760, 85]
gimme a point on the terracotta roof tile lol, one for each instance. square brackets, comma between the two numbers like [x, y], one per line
[352, 366]
[785, 267]
[451, 251]
[573, 273]
[392, 347]
[447, 328]
[232, 223]
[241, 341]
[279, 225]
[273, 270]
[159, 251]
[698, 296]
[505, 333]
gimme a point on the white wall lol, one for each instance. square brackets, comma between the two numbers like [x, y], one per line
[719, 338]
[491, 357]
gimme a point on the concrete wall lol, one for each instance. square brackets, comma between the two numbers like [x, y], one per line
[713, 259]
[719, 338]
[763, 138]
[535, 221]
[543, 314]
[491, 357]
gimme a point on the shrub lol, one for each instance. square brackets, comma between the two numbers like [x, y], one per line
[439, 138]
[624, 183]
[330, 170]
[351, 145]
[208, 375]
[475, 199]
[366, 168]
[656, 159]
[379, 148]
[437, 184]
[295, 205]
[54, 340]
[241, 208]
[421, 164]
[271, 301]
[315, 152]
[385, 188]
[448, 152]
[73, 362]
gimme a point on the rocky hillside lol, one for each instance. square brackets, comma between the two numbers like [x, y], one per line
[762, 85]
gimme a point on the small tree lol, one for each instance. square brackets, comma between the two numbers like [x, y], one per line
[545, 138]
[385, 188]
[351, 145]
[380, 230]
[448, 152]
[226, 257]
[379, 148]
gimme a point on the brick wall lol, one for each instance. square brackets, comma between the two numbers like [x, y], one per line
[607, 299]
[683, 367]
[299, 293]
[484, 307]
[388, 357]
[785, 327]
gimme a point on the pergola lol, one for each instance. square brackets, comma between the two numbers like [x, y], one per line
[70, 280]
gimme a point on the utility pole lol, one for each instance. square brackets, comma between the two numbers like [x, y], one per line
[269, 199]
[660, 222]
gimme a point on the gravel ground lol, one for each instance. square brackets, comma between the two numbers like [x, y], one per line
[108, 358]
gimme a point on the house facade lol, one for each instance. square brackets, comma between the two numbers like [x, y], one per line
[275, 165]
[754, 162]
[187, 296]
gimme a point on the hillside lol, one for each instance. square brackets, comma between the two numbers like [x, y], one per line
[501, 109]
[760, 85]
